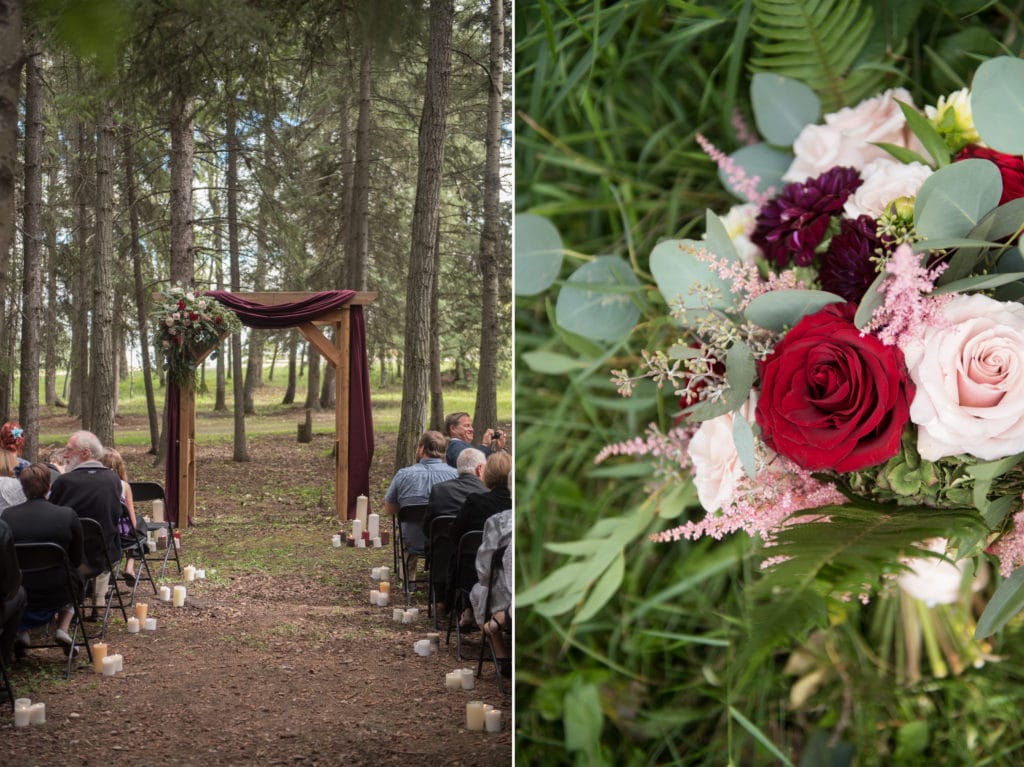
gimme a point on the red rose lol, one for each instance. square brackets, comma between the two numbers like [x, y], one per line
[181, 304]
[832, 398]
[217, 320]
[1011, 168]
[193, 316]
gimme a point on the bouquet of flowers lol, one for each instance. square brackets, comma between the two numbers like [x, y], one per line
[848, 344]
[187, 327]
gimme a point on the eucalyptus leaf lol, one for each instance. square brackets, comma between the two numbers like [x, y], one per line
[596, 302]
[780, 310]
[952, 201]
[538, 254]
[765, 162]
[677, 271]
[740, 372]
[873, 298]
[1005, 603]
[551, 363]
[782, 107]
[743, 439]
[997, 103]
[718, 239]
[980, 282]
[1002, 222]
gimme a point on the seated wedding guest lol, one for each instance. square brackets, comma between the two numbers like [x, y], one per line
[477, 509]
[12, 440]
[447, 497]
[459, 429]
[10, 488]
[12, 594]
[93, 491]
[40, 521]
[127, 524]
[497, 533]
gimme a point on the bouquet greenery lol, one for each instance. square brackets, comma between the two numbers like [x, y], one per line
[187, 327]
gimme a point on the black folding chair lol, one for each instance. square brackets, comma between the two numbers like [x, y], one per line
[496, 571]
[439, 556]
[96, 551]
[465, 563]
[49, 560]
[133, 546]
[146, 492]
[8, 687]
[412, 543]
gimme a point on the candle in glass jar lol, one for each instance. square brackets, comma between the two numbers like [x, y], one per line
[475, 715]
[468, 679]
[150, 624]
[179, 596]
[158, 510]
[133, 626]
[109, 665]
[336, 541]
[165, 593]
[376, 542]
[374, 594]
[396, 614]
[37, 713]
[22, 712]
[382, 598]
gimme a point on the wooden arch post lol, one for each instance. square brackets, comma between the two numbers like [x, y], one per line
[337, 353]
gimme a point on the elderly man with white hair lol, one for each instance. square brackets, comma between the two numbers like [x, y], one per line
[93, 491]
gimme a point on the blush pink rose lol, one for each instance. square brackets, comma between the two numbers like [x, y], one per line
[970, 380]
[884, 181]
[716, 464]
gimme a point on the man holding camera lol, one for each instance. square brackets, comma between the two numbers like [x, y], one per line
[459, 429]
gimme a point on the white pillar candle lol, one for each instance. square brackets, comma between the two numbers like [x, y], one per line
[396, 614]
[133, 625]
[336, 541]
[374, 594]
[375, 573]
[475, 715]
[179, 596]
[37, 713]
[189, 573]
[468, 679]
[376, 542]
[373, 525]
[357, 530]
[382, 598]
[362, 506]
[118, 662]
[150, 624]
[141, 610]
[406, 616]
[165, 593]
[158, 510]
[385, 572]
[22, 712]
[109, 665]
[99, 652]
[492, 720]
[453, 680]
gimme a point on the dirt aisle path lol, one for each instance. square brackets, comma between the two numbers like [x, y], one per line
[277, 658]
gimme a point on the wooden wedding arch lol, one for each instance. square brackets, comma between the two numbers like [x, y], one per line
[348, 323]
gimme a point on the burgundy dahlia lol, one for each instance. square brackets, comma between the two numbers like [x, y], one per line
[792, 225]
[846, 267]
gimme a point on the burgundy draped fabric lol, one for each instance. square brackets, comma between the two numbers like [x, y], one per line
[360, 433]
[282, 315]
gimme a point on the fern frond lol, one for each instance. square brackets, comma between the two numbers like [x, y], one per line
[819, 42]
[822, 560]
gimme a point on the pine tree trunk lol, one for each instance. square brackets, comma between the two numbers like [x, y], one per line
[313, 381]
[241, 452]
[486, 409]
[50, 327]
[436, 390]
[10, 88]
[103, 378]
[32, 271]
[293, 353]
[426, 211]
[359, 218]
[182, 153]
[220, 402]
[141, 299]
[78, 403]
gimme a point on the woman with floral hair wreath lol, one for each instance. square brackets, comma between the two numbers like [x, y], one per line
[12, 440]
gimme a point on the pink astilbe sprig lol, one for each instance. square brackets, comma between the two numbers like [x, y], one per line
[761, 506]
[669, 449]
[909, 308]
[744, 134]
[1010, 548]
[745, 279]
[738, 179]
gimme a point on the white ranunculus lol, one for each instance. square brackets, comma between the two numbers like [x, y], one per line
[969, 375]
[740, 222]
[885, 181]
[934, 581]
[818, 148]
[716, 464]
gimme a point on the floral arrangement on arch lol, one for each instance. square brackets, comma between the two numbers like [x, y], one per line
[187, 326]
[847, 344]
